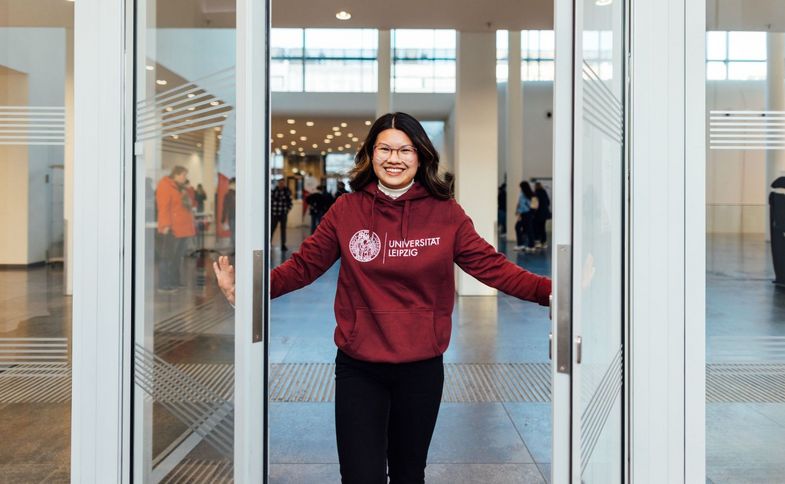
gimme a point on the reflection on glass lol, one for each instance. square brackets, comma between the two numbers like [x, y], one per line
[185, 167]
[423, 60]
[36, 155]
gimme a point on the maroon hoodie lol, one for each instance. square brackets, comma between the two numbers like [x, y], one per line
[396, 286]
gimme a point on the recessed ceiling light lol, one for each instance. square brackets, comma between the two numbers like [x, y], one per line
[214, 103]
[343, 125]
[161, 82]
[292, 131]
[343, 15]
[303, 138]
[168, 109]
[367, 123]
[190, 95]
[347, 145]
[337, 133]
[149, 68]
[355, 139]
[295, 170]
[324, 153]
[350, 135]
[603, 3]
[217, 128]
[309, 123]
[329, 136]
[336, 128]
[290, 121]
[293, 143]
[191, 108]
[300, 148]
[329, 150]
[174, 136]
[328, 141]
[340, 148]
[220, 137]
[315, 145]
[198, 145]
[279, 135]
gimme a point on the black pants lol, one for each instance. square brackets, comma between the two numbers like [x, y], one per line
[172, 252]
[524, 230]
[279, 219]
[539, 229]
[385, 414]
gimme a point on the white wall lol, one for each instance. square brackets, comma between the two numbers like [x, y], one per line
[735, 179]
[39, 53]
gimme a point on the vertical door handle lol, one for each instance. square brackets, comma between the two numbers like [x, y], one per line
[258, 295]
[578, 349]
[550, 345]
[564, 309]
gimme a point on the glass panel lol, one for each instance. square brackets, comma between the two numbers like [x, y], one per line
[747, 71]
[185, 166]
[599, 246]
[716, 71]
[745, 252]
[747, 45]
[423, 60]
[716, 45]
[36, 153]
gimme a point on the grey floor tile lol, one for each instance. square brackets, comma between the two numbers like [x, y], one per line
[483, 473]
[736, 433]
[476, 433]
[25, 473]
[533, 422]
[302, 433]
[545, 470]
[304, 474]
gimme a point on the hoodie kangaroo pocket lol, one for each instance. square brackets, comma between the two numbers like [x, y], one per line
[393, 336]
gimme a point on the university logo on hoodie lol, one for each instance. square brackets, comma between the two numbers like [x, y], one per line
[365, 245]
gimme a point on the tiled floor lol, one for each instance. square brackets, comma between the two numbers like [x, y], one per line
[491, 442]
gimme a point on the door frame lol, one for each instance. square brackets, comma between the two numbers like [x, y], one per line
[101, 431]
[666, 351]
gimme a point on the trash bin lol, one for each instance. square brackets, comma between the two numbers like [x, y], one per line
[777, 223]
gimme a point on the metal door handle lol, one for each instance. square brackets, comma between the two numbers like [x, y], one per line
[258, 296]
[578, 349]
[550, 345]
[564, 309]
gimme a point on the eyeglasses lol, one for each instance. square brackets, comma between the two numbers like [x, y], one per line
[384, 152]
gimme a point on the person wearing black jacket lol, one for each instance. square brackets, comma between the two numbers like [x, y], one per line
[541, 215]
[319, 202]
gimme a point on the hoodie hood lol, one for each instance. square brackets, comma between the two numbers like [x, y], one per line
[416, 192]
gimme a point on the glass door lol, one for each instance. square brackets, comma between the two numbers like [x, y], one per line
[590, 253]
[198, 362]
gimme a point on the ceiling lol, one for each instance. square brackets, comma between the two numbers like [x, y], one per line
[467, 15]
[316, 134]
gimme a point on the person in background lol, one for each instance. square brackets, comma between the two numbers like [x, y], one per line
[201, 196]
[398, 237]
[175, 226]
[501, 200]
[542, 213]
[229, 210]
[341, 190]
[189, 189]
[524, 232]
[319, 203]
[280, 204]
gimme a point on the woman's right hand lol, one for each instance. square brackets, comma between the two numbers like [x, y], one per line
[224, 274]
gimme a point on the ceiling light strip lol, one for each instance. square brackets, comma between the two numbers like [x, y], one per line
[190, 86]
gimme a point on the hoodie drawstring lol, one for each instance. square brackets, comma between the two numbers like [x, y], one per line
[405, 220]
[373, 206]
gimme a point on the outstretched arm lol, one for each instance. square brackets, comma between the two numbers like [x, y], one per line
[481, 260]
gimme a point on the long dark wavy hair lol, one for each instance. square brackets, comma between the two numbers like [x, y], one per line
[427, 173]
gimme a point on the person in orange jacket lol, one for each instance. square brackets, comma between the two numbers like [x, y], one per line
[175, 225]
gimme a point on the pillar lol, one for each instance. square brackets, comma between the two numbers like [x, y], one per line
[514, 138]
[476, 141]
[384, 69]
[775, 101]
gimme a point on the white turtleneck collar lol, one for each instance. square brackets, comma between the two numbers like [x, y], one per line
[394, 192]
